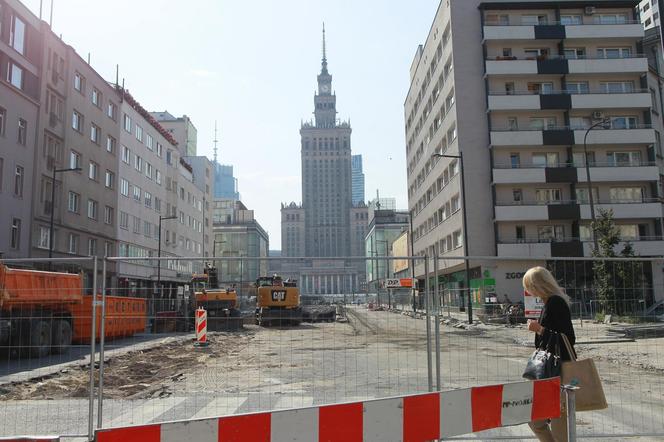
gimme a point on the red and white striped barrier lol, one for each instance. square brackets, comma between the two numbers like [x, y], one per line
[415, 418]
[201, 327]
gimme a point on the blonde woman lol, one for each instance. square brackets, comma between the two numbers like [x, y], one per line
[555, 317]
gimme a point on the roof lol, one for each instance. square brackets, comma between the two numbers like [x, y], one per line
[145, 114]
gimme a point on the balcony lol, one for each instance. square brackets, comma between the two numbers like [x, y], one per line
[558, 31]
[523, 249]
[555, 136]
[561, 65]
[647, 208]
[563, 100]
[571, 173]
[537, 211]
[540, 248]
[636, 134]
[648, 246]
[615, 172]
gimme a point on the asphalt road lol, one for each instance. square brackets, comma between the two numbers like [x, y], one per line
[375, 354]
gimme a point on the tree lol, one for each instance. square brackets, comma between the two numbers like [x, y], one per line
[608, 236]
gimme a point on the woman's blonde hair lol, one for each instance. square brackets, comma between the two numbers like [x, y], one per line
[540, 282]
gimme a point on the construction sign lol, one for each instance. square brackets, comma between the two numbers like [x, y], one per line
[401, 283]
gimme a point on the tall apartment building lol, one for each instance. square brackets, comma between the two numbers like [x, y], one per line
[531, 77]
[20, 72]
[182, 129]
[649, 11]
[225, 183]
[292, 230]
[204, 178]
[357, 177]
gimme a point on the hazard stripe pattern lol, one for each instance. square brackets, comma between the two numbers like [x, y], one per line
[413, 418]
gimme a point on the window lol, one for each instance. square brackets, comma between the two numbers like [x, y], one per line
[138, 163]
[626, 194]
[147, 229]
[149, 141]
[169, 157]
[136, 224]
[74, 202]
[457, 239]
[126, 123]
[96, 97]
[15, 75]
[126, 154]
[582, 195]
[614, 52]
[532, 54]
[44, 238]
[22, 131]
[580, 123]
[72, 246]
[92, 246]
[78, 82]
[74, 160]
[653, 98]
[546, 196]
[455, 203]
[93, 171]
[629, 231]
[520, 233]
[15, 238]
[611, 19]
[449, 101]
[109, 180]
[137, 193]
[110, 144]
[577, 87]
[92, 209]
[515, 160]
[632, 158]
[160, 149]
[148, 199]
[549, 159]
[624, 122]
[452, 133]
[124, 187]
[570, 20]
[540, 19]
[111, 110]
[616, 87]
[540, 88]
[108, 215]
[585, 233]
[512, 123]
[517, 196]
[77, 121]
[95, 133]
[17, 34]
[550, 233]
[157, 176]
[546, 123]
[157, 204]
[124, 220]
[19, 177]
[139, 133]
[3, 119]
[149, 171]
[574, 53]
[108, 248]
[497, 19]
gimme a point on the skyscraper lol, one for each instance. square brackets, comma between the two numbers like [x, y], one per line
[326, 174]
[357, 179]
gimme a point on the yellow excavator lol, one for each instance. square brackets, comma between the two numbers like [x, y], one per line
[277, 301]
[221, 304]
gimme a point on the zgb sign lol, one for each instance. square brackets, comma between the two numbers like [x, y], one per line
[400, 283]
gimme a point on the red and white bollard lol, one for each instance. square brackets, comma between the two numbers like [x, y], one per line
[201, 328]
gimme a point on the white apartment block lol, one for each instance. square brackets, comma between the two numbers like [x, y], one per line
[514, 86]
[154, 181]
[649, 11]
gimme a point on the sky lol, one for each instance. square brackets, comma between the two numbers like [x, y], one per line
[251, 65]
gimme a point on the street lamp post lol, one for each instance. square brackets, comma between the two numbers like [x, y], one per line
[161, 218]
[50, 230]
[591, 200]
[389, 294]
[465, 227]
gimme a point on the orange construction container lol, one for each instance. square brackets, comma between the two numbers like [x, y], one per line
[124, 317]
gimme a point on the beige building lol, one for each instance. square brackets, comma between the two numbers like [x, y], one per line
[182, 129]
[514, 87]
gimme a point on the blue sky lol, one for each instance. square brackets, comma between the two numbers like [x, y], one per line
[252, 65]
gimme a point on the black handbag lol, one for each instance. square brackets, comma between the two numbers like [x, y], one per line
[545, 361]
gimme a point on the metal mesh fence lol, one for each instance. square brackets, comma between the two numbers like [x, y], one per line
[349, 338]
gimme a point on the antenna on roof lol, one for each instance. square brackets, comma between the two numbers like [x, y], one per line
[215, 141]
[50, 21]
[117, 75]
[41, 6]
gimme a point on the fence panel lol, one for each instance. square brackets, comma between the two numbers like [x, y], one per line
[45, 328]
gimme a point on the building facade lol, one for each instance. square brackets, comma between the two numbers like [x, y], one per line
[204, 178]
[535, 76]
[357, 176]
[182, 129]
[225, 183]
[649, 12]
[384, 228]
[20, 95]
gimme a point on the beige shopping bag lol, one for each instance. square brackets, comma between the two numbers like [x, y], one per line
[583, 373]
